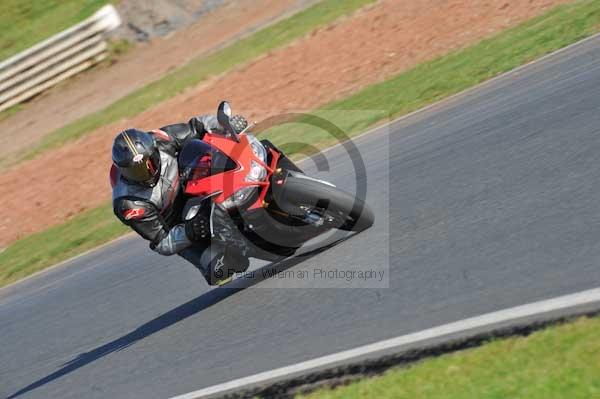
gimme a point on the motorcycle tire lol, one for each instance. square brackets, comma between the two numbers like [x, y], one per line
[342, 210]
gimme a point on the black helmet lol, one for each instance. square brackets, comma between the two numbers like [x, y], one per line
[136, 156]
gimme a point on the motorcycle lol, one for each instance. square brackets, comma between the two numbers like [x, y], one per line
[261, 203]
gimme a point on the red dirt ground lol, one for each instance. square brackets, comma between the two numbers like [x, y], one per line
[373, 44]
[100, 87]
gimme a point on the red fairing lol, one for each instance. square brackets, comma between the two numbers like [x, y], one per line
[274, 159]
[229, 182]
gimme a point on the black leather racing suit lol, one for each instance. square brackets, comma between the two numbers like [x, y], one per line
[155, 212]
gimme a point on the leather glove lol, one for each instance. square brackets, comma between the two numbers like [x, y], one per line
[197, 229]
[239, 123]
[204, 123]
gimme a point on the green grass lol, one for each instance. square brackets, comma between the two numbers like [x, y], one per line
[442, 77]
[199, 69]
[7, 113]
[117, 48]
[26, 22]
[36, 252]
[559, 362]
[404, 93]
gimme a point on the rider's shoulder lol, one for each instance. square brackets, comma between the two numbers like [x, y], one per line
[123, 190]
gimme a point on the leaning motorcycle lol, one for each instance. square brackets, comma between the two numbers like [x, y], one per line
[261, 203]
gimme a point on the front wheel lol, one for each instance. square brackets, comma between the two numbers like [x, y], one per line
[321, 202]
[346, 212]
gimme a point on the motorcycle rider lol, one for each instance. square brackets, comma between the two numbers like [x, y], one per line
[148, 195]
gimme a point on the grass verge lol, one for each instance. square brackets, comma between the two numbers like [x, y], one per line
[27, 22]
[453, 73]
[558, 362]
[244, 50]
[7, 113]
[404, 93]
[38, 251]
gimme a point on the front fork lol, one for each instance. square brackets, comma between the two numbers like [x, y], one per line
[283, 162]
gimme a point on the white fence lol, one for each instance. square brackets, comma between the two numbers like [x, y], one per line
[57, 58]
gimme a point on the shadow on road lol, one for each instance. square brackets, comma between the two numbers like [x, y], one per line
[172, 317]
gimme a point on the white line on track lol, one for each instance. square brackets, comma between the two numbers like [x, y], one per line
[507, 315]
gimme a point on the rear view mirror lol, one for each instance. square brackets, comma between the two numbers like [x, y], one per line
[223, 117]
[224, 113]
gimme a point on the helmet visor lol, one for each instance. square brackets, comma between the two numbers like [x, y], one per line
[144, 170]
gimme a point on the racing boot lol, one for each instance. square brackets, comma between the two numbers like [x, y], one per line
[217, 264]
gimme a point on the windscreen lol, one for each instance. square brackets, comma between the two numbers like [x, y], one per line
[199, 159]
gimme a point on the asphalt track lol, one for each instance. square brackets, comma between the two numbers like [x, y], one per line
[483, 202]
